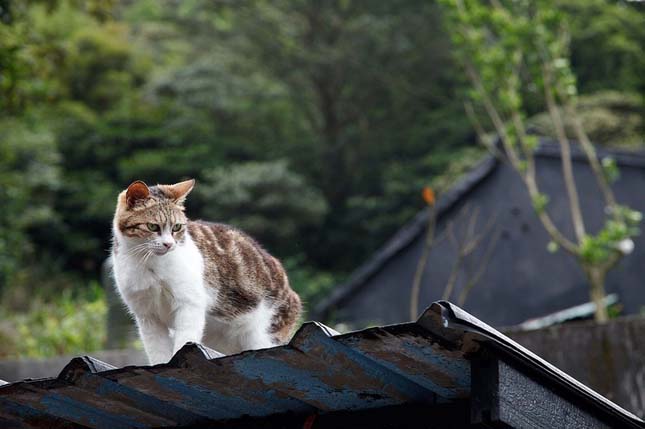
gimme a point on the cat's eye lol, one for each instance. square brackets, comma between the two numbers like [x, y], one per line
[177, 227]
[153, 227]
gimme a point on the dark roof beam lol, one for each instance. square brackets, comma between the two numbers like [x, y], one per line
[503, 395]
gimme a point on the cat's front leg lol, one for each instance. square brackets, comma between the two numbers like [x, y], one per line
[188, 323]
[156, 339]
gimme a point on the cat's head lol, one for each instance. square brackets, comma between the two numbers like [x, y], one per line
[151, 219]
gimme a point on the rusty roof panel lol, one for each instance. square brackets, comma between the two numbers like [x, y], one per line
[320, 372]
[415, 355]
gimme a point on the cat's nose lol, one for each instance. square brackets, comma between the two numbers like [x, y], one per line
[167, 245]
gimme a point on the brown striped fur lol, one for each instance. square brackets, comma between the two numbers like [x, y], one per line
[246, 274]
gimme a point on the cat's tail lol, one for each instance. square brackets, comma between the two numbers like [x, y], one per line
[287, 315]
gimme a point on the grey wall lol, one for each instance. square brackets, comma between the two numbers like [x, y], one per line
[20, 369]
[523, 279]
[609, 358]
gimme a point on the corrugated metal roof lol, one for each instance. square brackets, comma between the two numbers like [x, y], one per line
[320, 372]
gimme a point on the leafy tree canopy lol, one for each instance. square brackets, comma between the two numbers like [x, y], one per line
[358, 100]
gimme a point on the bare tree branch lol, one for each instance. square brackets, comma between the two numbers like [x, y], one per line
[465, 247]
[452, 279]
[592, 157]
[421, 264]
[480, 271]
[565, 152]
[479, 131]
[476, 239]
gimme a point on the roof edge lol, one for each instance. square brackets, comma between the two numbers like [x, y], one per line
[456, 319]
[550, 148]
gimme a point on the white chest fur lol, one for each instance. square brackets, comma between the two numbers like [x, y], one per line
[158, 285]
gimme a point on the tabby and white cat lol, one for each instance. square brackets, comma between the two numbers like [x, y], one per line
[195, 281]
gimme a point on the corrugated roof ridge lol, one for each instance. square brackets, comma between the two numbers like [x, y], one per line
[456, 328]
[312, 335]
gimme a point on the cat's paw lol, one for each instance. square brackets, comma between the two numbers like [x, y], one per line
[158, 358]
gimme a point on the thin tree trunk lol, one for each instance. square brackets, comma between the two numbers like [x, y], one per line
[454, 273]
[421, 265]
[565, 155]
[590, 152]
[596, 277]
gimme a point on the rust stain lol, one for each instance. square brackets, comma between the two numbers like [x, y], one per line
[389, 348]
[143, 381]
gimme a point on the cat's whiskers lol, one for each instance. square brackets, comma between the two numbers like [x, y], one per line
[138, 249]
[138, 246]
[146, 257]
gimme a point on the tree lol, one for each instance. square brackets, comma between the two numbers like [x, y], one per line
[265, 199]
[29, 179]
[342, 89]
[505, 46]
[607, 43]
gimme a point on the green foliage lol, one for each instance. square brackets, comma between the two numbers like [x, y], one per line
[610, 169]
[266, 199]
[68, 324]
[614, 311]
[29, 177]
[631, 217]
[610, 118]
[540, 202]
[375, 214]
[621, 226]
[508, 45]
[552, 247]
[311, 285]
[497, 43]
[596, 249]
[611, 36]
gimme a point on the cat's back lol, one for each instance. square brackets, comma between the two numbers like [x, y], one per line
[216, 240]
[245, 276]
[234, 256]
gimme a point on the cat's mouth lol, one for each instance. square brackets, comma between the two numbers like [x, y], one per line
[161, 252]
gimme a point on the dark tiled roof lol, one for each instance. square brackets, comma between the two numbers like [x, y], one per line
[417, 226]
[428, 369]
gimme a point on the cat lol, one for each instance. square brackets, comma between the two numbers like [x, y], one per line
[196, 281]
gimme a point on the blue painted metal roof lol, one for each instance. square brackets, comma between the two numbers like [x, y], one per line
[319, 371]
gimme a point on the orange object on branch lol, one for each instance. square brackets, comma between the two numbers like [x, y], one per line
[428, 196]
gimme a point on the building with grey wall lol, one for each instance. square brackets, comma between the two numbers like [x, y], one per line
[522, 279]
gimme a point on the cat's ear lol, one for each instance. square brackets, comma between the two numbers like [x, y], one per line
[136, 191]
[179, 191]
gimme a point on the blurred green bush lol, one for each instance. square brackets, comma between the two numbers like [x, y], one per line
[73, 322]
[611, 118]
